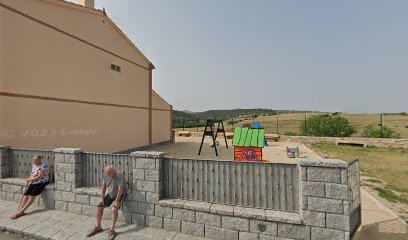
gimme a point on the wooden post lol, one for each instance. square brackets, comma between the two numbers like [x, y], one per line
[305, 125]
[382, 124]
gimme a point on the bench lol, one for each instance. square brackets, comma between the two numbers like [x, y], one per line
[272, 137]
[184, 134]
[229, 135]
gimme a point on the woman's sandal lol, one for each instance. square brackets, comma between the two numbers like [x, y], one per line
[17, 215]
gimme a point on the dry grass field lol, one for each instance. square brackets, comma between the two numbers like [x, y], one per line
[291, 122]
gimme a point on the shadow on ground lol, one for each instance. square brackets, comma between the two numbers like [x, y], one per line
[386, 230]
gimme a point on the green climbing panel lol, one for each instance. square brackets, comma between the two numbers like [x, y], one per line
[249, 137]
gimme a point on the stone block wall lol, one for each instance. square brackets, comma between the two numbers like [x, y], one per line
[324, 201]
[325, 198]
[13, 189]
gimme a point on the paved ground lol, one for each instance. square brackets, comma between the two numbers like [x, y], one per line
[378, 222]
[187, 147]
[52, 224]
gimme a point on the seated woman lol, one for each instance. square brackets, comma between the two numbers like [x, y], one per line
[37, 182]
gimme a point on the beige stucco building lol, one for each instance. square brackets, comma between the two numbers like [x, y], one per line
[70, 77]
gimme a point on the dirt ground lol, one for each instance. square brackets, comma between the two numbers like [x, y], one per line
[188, 147]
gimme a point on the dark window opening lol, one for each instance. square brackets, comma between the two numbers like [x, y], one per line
[115, 67]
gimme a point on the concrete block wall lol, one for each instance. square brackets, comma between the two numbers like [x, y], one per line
[325, 198]
[5, 162]
[324, 202]
[147, 188]
[68, 167]
[11, 190]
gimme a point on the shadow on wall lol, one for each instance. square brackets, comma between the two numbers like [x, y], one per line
[391, 230]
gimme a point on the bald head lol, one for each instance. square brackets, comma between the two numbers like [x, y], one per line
[109, 171]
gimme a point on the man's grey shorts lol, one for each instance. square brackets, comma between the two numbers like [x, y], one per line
[108, 200]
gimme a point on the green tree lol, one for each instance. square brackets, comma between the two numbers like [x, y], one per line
[326, 126]
[375, 132]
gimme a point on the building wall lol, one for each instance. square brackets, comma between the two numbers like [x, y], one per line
[48, 124]
[161, 119]
[55, 73]
[85, 23]
[42, 61]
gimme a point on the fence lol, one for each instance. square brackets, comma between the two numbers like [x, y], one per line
[326, 192]
[22, 163]
[268, 186]
[94, 163]
[290, 124]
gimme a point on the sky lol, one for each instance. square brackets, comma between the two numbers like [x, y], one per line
[344, 55]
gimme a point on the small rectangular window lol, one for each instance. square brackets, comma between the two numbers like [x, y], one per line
[115, 67]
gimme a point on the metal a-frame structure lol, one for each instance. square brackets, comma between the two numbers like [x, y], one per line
[209, 131]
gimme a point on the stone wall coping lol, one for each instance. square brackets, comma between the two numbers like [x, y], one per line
[14, 181]
[177, 203]
[237, 211]
[91, 191]
[334, 163]
[147, 154]
[347, 138]
[22, 182]
[280, 216]
[68, 150]
[4, 146]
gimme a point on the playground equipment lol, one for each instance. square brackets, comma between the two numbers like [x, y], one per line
[248, 144]
[259, 125]
[209, 131]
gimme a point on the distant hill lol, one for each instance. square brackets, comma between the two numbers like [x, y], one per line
[193, 119]
[223, 114]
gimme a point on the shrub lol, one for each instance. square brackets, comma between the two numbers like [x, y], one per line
[326, 126]
[375, 132]
[247, 125]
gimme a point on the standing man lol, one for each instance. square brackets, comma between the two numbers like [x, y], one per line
[113, 192]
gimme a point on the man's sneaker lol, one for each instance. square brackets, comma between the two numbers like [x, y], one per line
[111, 234]
[94, 231]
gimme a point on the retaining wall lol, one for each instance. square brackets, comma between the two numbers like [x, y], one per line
[370, 142]
[325, 199]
